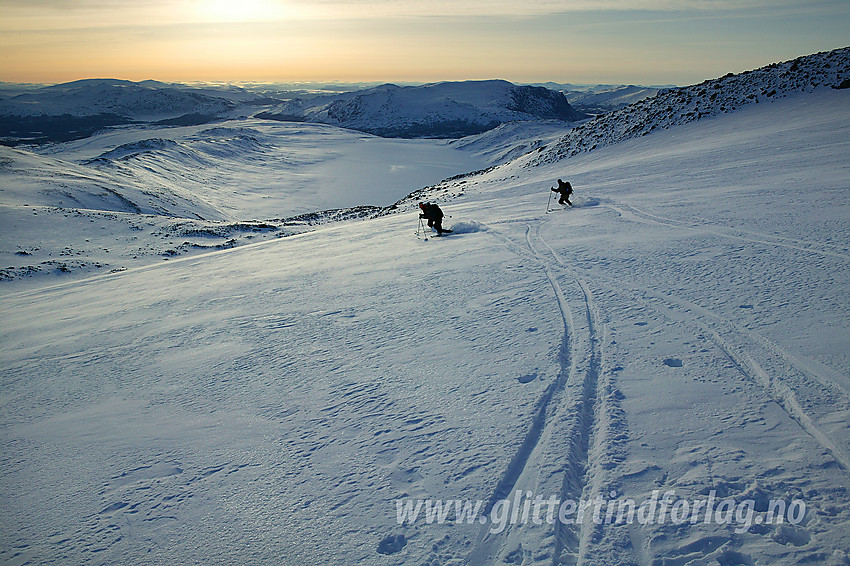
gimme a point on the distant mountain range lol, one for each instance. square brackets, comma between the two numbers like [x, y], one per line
[138, 101]
[442, 110]
[78, 109]
[37, 114]
[439, 110]
[600, 99]
[185, 182]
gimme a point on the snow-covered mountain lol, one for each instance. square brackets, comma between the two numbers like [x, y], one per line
[708, 99]
[78, 109]
[657, 376]
[445, 110]
[146, 101]
[440, 110]
[604, 98]
[601, 98]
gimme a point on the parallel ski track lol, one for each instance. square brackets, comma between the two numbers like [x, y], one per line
[589, 440]
[567, 359]
[817, 248]
[593, 441]
[575, 485]
[606, 429]
[775, 386]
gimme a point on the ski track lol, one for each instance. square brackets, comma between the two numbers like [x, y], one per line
[605, 431]
[774, 385]
[752, 345]
[579, 416]
[640, 215]
[571, 542]
[529, 450]
[594, 442]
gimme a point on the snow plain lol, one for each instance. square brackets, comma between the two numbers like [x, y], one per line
[684, 327]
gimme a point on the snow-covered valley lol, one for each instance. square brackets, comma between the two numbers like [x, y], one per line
[681, 335]
[140, 195]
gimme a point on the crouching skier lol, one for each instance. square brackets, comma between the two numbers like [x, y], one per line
[435, 217]
[565, 190]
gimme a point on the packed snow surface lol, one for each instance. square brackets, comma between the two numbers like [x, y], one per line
[684, 328]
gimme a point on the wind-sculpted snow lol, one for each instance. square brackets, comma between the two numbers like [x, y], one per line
[657, 376]
[134, 149]
[660, 376]
[705, 100]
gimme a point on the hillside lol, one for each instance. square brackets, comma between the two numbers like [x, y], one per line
[141, 195]
[705, 100]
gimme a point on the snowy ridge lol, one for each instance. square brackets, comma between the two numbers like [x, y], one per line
[132, 101]
[708, 99]
[511, 140]
[441, 110]
[134, 149]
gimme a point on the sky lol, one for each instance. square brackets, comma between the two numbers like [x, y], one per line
[647, 42]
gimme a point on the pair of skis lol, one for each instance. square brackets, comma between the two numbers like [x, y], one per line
[422, 231]
[549, 202]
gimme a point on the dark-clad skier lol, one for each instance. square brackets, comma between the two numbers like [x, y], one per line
[435, 217]
[565, 189]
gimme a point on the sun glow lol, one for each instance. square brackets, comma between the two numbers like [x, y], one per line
[220, 11]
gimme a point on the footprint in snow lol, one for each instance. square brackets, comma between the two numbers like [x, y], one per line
[528, 378]
[391, 544]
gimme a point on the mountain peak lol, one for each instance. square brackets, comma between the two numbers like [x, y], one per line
[449, 109]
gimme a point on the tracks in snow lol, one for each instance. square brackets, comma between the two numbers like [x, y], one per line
[577, 415]
[789, 381]
[817, 248]
[580, 410]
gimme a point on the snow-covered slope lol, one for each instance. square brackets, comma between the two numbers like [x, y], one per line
[136, 195]
[511, 140]
[441, 110]
[710, 98]
[680, 337]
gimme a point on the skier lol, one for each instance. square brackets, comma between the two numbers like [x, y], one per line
[435, 217]
[565, 189]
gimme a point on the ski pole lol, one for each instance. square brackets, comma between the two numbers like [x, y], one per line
[422, 230]
[549, 202]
